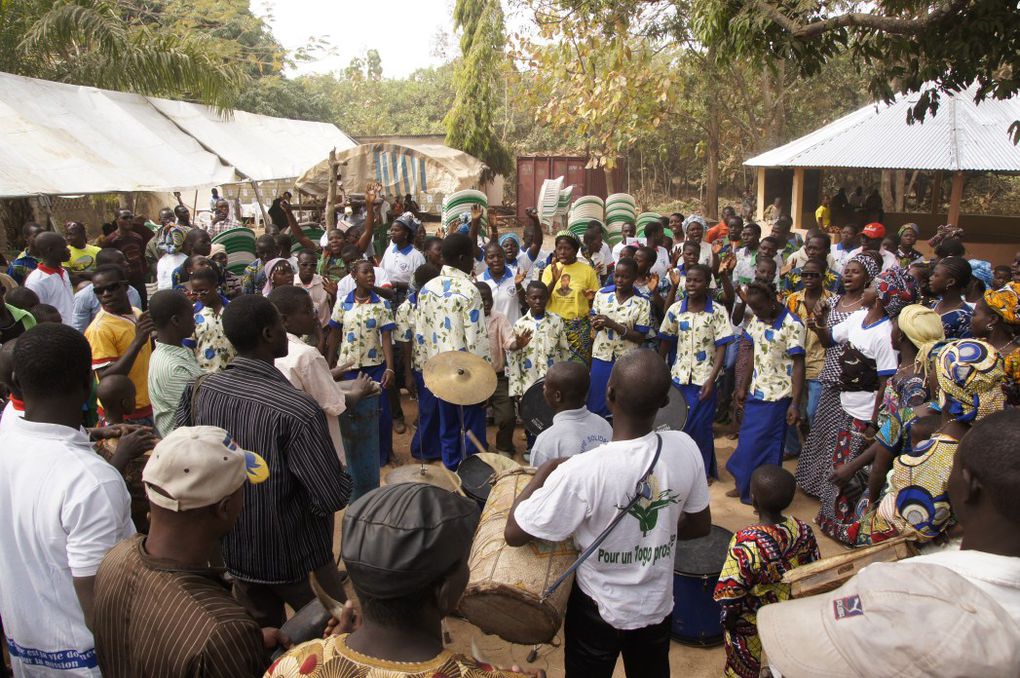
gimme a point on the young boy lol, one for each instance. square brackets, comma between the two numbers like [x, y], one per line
[758, 557]
[621, 320]
[44, 313]
[539, 341]
[315, 284]
[1001, 275]
[254, 277]
[501, 338]
[49, 280]
[172, 367]
[699, 332]
[774, 385]
[117, 394]
[213, 350]
[425, 441]
[575, 429]
[364, 321]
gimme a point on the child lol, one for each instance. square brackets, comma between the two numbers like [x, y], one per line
[540, 340]
[117, 393]
[575, 429]
[254, 278]
[774, 386]
[699, 331]
[949, 278]
[183, 274]
[44, 313]
[279, 273]
[1001, 276]
[501, 337]
[213, 350]
[230, 284]
[364, 321]
[621, 320]
[425, 441]
[504, 283]
[597, 252]
[196, 244]
[382, 288]
[331, 265]
[758, 557]
[315, 284]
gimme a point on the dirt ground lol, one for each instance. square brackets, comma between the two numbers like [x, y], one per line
[693, 662]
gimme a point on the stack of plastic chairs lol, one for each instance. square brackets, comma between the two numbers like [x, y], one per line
[240, 245]
[459, 203]
[621, 209]
[585, 210]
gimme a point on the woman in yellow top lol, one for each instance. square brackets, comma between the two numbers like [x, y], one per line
[572, 285]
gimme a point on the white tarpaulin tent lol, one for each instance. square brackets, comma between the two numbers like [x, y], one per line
[64, 139]
[429, 172]
[262, 148]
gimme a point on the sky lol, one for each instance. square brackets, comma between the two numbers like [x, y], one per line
[403, 31]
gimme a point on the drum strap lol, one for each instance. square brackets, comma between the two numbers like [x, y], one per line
[641, 491]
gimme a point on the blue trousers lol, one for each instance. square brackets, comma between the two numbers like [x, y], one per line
[600, 371]
[449, 430]
[425, 443]
[700, 414]
[807, 410]
[761, 441]
[359, 427]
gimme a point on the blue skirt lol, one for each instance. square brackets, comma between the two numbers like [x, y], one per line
[600, 371]
[700, 414]
[375, 373]
[762, 434]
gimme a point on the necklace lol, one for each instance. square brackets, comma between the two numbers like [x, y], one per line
[844, 307]
[1002, 349]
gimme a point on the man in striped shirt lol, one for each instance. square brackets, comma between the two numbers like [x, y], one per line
[161, 611]
[286, 529]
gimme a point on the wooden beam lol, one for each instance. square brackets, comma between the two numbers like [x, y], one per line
[936, 192]
[797, 198]
[760, 212]
[955, 198]
[331, 193]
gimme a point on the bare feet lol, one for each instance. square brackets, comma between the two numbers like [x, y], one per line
[398, 427]
[733, 493]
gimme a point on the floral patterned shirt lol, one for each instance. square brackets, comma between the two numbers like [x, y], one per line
[254, 277]
[634, 313]
[774, 348]
[548, 345]
[363, 323]
[406, 321]
[696, 334]
[450, 315]
[213, 350]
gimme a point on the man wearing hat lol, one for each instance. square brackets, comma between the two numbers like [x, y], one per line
[406, 548]
[161, 609]
[872, 236]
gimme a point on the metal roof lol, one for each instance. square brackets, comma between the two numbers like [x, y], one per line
[962, 136]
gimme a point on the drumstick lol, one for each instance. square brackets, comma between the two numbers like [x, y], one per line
[474, 440]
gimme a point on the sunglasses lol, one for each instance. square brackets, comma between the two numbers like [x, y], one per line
[810, 274]
[100, 291]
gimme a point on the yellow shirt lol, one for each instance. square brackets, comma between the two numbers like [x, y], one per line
[109, 336]
[567, 296]
[822, 216]
[83, 259]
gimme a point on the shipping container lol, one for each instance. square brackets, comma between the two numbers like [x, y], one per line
[532, 170]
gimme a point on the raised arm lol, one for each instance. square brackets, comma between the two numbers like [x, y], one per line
[298, 232]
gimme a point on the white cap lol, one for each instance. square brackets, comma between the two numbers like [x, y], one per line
[893, 619]
[197, 466]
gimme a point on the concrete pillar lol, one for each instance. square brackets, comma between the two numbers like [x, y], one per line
[797, 198]
[760, 212]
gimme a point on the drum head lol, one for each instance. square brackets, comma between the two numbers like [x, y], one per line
[703, 556]
[535, 411]
[475, 478]
[673, 416]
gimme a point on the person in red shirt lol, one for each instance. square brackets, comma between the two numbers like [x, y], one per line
[720, 230]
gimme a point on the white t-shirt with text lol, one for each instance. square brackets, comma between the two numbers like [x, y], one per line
[572, 432]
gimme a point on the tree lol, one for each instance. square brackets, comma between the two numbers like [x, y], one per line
[926, 46]
[98, 43]
[469, 123]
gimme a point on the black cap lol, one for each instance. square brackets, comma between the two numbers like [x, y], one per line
[400, 538]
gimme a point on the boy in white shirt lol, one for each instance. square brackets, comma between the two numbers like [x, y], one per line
[50, 281]
[622, 600]
[575, 429]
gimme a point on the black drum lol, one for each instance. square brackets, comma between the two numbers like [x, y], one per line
[475, 478]
[696, 616]
[535, 411]
[673, 416]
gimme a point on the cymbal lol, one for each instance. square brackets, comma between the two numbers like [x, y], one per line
[460, 377]
[429, 474]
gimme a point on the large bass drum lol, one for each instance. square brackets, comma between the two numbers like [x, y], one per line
[696, 567]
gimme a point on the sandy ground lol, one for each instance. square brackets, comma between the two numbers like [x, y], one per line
[694, 662]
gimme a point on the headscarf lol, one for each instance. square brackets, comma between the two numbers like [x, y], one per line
[217, 248]
[896, 290]
[982, 270]
[268, 271]
[868, 263]
[567, 234]
[408, 221]
[923, 327]
[909, 227]
[970, 375]
[503, 239]
[1005, 303]
[692, 219]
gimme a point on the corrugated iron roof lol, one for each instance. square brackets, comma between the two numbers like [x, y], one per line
[962, 136]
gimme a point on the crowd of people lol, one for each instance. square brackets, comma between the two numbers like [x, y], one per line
[171, 462]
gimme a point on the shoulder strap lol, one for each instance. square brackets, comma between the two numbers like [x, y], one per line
[641, 490]
[194, 397]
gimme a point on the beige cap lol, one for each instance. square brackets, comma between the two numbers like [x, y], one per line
[197, 466]
[893, 619]
[217, 248]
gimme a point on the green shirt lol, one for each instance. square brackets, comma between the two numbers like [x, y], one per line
[171, 370]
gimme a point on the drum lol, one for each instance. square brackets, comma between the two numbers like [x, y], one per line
[504, 591]
[696, 567]
[535, 411]
[831, 573]
[477, 472]
[673, 416]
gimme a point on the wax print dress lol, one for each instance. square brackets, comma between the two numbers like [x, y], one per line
[955, 323]
[548, 345]
[213, 350]
[633, 313]
[751, 578]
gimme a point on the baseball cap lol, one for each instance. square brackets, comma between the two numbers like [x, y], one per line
[197, 466]
[874, 230]
[400, 538]
[893, 619]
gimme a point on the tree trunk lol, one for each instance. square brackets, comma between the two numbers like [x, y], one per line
[610, 180]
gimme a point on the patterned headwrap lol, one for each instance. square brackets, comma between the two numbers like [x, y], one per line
[896, 290]
[982, 270]
[408, 221]
[694, 218]
[1005, 303]
[909, 227]
[510, 236]
[567, 234]
[868, 263]
[924, 329]
[970, 374]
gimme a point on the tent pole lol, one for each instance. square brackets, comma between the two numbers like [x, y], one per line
[955, 198]
[331, 192]
[258, 198]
